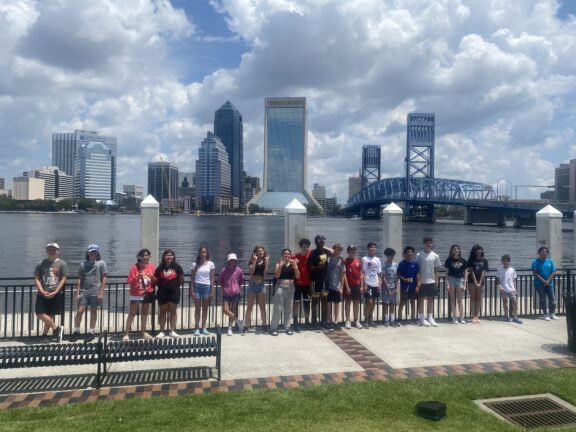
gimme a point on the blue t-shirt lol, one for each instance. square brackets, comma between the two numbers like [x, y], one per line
[408, 269]
[544, 268]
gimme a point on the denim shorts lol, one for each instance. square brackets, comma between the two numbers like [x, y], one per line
[256, 287]
[456, 282]
[392, 298]
[202, 291]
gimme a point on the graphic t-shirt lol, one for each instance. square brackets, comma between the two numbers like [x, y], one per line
[91, 274]
[318, 258]
[390, 271]
[544, 268]
[168, 277]
[408, 270]
[371, 267]
[477, 267]
[51, 273]
[353, 271]
[141, 279]
[456, 267]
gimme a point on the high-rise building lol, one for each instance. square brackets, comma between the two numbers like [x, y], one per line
[134, 191]
[65, 148]
[251, 186]
[93, 171]
[285, 154]
[565, 182]
[213, 175]
[2, 183]
[228, 127]
[162, 181]
[319, 192]
[354, 185]
[27, 188]
[57, 184]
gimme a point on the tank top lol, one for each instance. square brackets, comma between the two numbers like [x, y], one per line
[259, 269]
[286, 272]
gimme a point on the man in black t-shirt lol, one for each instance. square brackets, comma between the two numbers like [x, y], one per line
[317, 262]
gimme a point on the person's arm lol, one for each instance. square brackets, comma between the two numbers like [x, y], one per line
[481, 280]
[252, 265]
[103, 283]
[180, 276]
[266, 264]
[212, 287]
[295, 268]
[192, 277]
[436, 276]
[79, 284]
[38, 282]
[551, 277]
[277, 269]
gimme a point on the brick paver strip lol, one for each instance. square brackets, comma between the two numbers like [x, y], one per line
[375, 369]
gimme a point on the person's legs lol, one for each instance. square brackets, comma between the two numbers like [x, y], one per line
[306, 302]
[297, 303]
[452, 297]
[144, 318]
[505, 305]
[279, 293]
[173, 315]
[551, 300]
[227, 308]
[163, 310]
[324, 304]
[79, 315]
[514, 307]
[205, 308]
[472, 290]
[347, 304]
[287, 307]
[460, 301]
[131, 313]
[197, 311]
[261, 297]
[93, 318]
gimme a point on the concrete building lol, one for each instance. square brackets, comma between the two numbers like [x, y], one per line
[187, 189]
[57, 184]
[354, 185]
[285, 154]
[27, 188]
[229, 129]
[213, 176]
[328, 204]
[65, 148]
[319, 192]
[2, 183]
[162, 181]
[251, 187]
[93, 171]
[565, 182]
[134, 191]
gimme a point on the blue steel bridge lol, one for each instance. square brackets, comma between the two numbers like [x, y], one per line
[479, 200]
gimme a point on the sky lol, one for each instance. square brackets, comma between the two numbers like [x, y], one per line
[500, 76]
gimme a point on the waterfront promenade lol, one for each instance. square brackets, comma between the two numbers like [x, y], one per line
[259, 361]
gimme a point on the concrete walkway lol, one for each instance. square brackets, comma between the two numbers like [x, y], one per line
[258, 360]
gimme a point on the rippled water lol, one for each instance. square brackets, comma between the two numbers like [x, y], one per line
[24, 237]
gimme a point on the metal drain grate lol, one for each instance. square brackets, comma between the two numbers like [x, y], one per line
[536, 411]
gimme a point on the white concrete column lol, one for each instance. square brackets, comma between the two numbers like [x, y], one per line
[294, 224]
[392, 229]
[574, 238]
[549, 232]
[150, 227]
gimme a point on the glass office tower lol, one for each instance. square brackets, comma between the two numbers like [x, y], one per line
[228, 127]
[285, 154]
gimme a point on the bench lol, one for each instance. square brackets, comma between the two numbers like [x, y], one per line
[105, 352]
[158, 349]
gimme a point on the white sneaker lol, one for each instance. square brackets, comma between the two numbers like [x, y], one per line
[553, 316]
[454, 320]
[546, 317]
[358, 324]
[160, 335]
[348, 325]
[173, 334]
[424, 323]
[229, 331]
[240, 324]
[432, 322]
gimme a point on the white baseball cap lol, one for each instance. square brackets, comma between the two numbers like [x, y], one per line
[52, 244]
[232, 256]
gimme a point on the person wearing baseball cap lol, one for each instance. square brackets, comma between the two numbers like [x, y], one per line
[50, 277]
[92, 278]
[231, 279]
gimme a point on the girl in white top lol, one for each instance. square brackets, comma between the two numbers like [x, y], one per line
[202, 288]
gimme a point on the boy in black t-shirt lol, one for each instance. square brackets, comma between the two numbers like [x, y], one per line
[317, 263]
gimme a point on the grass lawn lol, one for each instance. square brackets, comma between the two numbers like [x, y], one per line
[370, 406]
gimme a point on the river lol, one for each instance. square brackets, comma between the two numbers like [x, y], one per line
[24, 236]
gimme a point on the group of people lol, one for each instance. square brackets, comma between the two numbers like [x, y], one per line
[312, 282]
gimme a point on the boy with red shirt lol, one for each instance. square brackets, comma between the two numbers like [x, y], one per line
[353, 293]
[302, 284]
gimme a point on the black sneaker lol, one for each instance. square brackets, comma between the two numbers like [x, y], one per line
[75, 336]
[307, 323]
[44, 339]
[58, 334]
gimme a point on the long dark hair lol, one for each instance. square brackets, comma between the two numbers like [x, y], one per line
[472, 256]
[198, 257]
[168, 252]
[452, 248]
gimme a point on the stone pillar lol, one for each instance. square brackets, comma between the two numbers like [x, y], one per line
[392, 229]
[294, 224]
[150, 227]
[549, 233]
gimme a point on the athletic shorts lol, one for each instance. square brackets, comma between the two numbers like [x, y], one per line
[165, 296]
[301, 292]
[355, 293]
[390, 299]
[89, 301]
[372, 292]
[334, 296]
[320, 289]
[52, 306]
[409, 294]
[428, 290]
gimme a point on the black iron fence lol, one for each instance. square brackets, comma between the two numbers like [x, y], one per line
[18, 320]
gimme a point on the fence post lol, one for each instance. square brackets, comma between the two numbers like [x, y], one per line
[150, 236]
[294, 224]
[549, 232]
[392, 229]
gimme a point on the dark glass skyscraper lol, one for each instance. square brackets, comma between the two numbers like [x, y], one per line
[228, 127]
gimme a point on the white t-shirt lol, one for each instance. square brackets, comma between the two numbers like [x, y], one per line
[428, 262]
[203, 274]
[371, 267]
[506, 278]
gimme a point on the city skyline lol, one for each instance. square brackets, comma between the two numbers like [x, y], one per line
[500, 80]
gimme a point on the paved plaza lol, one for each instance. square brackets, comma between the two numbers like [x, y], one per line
[258, 360]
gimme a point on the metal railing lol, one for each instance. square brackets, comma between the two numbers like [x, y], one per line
[18, 295]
